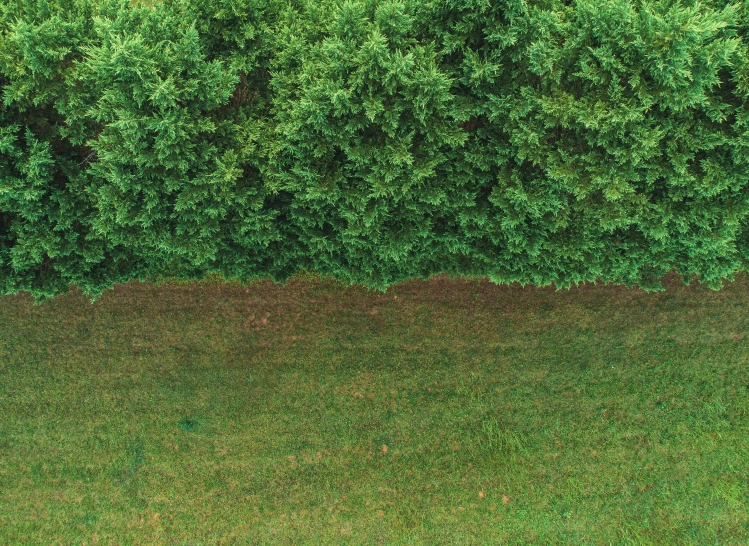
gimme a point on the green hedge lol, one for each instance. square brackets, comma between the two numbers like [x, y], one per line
[372, 141]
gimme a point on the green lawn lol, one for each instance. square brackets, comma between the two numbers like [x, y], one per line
[445, 411]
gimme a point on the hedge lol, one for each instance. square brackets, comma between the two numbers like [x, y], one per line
[372, 141]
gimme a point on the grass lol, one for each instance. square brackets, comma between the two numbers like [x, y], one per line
[441, 412]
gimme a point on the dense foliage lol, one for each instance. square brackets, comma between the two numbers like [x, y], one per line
[538, 141]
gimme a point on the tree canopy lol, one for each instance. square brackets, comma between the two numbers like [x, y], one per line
[531, 141]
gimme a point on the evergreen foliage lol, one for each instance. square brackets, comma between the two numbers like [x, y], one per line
[537, 141]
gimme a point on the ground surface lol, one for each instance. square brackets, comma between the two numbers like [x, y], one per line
[442, 412]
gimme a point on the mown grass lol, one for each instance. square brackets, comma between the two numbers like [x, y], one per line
[441, 412]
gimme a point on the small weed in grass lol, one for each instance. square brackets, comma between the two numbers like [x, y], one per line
[188, 425]
[495, 438]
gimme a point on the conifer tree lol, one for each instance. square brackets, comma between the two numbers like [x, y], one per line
[176, 176]
[612, 131]
[45, 218]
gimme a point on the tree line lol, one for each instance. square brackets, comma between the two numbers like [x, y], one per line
[375, 141]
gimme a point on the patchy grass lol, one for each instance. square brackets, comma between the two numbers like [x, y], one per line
[441, 412]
